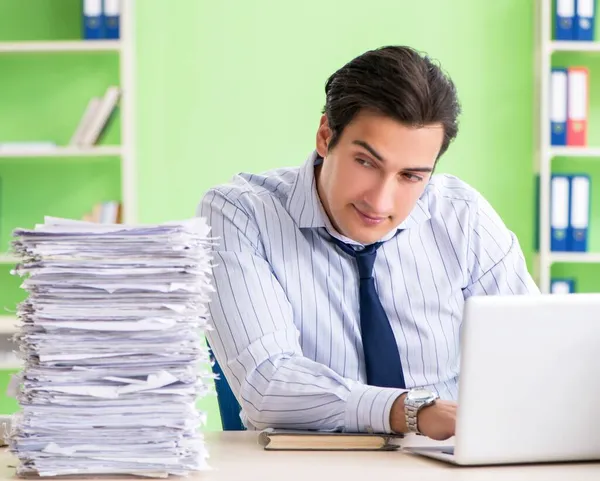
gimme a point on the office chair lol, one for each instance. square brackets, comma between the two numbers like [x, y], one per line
[228, 405]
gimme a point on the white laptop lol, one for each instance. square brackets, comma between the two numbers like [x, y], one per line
[529, 389]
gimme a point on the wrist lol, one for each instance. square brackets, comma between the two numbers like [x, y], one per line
[416, 400]
[397, 415]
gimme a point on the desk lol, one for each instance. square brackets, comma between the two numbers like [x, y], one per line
[236, 456]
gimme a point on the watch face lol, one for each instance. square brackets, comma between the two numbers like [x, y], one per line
[420, 395]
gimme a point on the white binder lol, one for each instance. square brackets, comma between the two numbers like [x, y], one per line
[559, 212]
[580, 213]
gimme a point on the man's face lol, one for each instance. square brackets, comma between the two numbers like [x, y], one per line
[371, 180]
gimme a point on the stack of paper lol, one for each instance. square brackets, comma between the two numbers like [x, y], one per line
[111, 336]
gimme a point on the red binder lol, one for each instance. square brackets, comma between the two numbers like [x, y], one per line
[578, 106]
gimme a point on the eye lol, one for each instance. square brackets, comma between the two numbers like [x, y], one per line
[364, 163]
[412, 177]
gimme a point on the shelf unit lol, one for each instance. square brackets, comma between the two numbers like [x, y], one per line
[125, 49]
[545, 48]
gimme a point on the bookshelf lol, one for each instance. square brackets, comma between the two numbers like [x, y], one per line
[125, 48]
[93, 65]
[546, 153]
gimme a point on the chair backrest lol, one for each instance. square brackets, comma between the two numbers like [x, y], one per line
[228, 405]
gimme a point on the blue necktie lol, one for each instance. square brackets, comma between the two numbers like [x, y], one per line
[382, 358]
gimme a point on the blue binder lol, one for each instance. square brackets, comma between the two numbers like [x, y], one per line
[559, 212]
[584, 20]
[112, 18]
[579, 215]
[93, 23]
[558, 106]
[562, 286]
[564, 19]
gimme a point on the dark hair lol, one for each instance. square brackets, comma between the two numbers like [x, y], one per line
[395, 81]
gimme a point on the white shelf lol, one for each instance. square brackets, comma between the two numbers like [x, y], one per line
[99, 151]
[575, 257]
[8, 324]
[10, 366]
[574, 46]
[8, 259]
[61, 46]
[575, 151]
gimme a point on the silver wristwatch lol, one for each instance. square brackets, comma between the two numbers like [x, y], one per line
[415, 400]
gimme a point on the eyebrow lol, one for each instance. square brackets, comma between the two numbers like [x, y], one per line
[379, 157]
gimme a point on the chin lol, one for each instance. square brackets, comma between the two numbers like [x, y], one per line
[366, 236]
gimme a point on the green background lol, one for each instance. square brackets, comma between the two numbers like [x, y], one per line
[228, 86]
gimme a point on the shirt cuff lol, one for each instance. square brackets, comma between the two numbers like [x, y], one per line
[368, 408]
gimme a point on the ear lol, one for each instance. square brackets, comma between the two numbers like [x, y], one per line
[323, 136]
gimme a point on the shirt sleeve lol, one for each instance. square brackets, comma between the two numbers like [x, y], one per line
[496, 262]
[256, 342]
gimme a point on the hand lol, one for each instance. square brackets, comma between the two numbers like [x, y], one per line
[437, 421]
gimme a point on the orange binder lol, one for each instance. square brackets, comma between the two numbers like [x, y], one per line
[578, 106]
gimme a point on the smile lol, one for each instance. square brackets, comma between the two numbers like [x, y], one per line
[369, 220]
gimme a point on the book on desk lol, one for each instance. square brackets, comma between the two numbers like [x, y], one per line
[290, 439]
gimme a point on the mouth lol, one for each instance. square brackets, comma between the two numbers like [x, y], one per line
[369, 219]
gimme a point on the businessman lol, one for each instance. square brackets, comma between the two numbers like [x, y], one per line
[340, 284]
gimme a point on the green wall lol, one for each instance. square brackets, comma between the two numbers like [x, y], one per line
[231, 85]
[238, 85]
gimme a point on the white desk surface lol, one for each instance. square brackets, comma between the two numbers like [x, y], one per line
[236, 456]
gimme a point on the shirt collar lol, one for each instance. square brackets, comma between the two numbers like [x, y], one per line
[306, 208]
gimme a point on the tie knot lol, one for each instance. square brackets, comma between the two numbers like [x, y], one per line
[365, 259]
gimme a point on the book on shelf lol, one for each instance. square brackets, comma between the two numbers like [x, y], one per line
[96, 118]
[101, 19]
[93, 21]
[570, 202]
[569, 106]
[109, 212]
[574, 20]
[112, 19]
[562, 286]
[84, 122]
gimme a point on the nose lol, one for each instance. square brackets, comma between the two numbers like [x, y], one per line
[380, 198]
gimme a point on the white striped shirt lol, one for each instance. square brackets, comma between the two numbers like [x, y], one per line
[286, 313]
